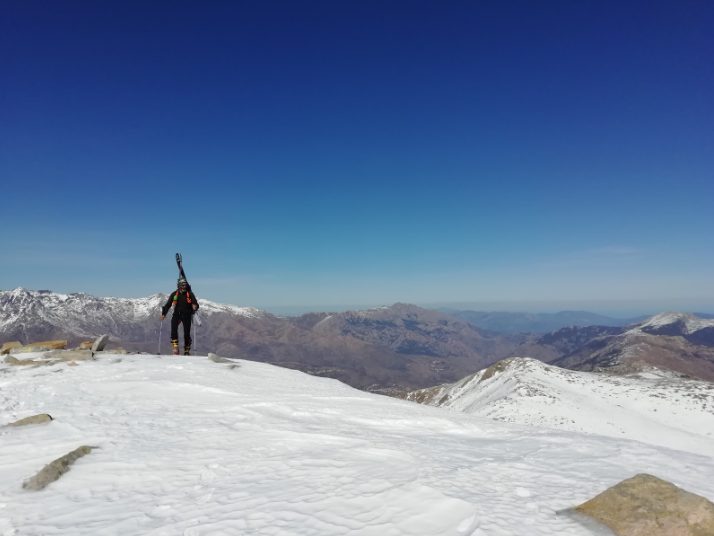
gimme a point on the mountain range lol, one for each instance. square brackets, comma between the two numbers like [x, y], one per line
[377, 349]
[514, 322]
[391, 349]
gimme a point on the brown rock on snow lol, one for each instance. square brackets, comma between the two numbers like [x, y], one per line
[42, 346]
[53, 470]
[34, 419]
[645, 505]
[7, 347]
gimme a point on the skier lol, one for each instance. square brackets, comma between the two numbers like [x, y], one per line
[185, 304]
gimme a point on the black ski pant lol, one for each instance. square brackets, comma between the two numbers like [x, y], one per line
[184, 319]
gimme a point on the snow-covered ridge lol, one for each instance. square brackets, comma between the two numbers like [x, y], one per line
[27, 313]
[656, 407]
[689, 323]
[21, 298]
[209, 307]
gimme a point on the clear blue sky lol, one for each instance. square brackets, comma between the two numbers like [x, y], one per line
[515, 154]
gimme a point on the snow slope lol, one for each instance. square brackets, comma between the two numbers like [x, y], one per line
[192, 447]
[689, 323]
[658, 408]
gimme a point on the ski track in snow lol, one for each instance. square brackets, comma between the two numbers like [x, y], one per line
[192, 447]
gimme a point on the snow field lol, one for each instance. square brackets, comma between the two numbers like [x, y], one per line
[192, 447]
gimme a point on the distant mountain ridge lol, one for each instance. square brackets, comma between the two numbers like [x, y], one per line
[680, 342]
[386, 349]
[514, 322]
[378, 349]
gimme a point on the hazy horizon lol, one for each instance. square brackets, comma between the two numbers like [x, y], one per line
[613, 308]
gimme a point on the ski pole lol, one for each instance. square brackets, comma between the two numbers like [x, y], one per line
[158, 352]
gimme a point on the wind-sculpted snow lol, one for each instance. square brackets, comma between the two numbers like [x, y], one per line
[191, 447]
[656, 407]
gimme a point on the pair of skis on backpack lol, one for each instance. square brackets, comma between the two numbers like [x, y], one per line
[182, 274]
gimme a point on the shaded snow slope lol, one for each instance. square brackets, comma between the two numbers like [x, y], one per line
[657, 408]
[192, 447]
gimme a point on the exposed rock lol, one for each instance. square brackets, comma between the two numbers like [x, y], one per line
[496, 368]
[100, 343]
[217, 359]
[55, 469]
[52, 358]
[68, 355]
[7, 347]
[11, 360]
[645, 505]
[42, 346]
[34, 419]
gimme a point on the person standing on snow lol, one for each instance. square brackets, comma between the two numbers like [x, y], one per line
[185, 304]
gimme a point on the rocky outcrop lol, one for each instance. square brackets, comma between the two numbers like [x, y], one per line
[51, 358]
[42, 346]
[54, 470]
[100, 343]
[11, 360]
[218, 359]
[68, 355]
[41, 418]
[648, 506]
[7, 347]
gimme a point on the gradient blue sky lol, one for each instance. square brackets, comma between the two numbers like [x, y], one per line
[512, 155]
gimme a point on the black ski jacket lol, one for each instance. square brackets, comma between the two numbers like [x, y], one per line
[182, 302]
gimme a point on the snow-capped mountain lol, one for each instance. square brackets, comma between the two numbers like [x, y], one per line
[27, 315]
[655, 407]
[685, 325]
[190, 446]
[679, 342]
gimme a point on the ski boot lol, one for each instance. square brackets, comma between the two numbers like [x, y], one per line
[175, 346]
[186, 350]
